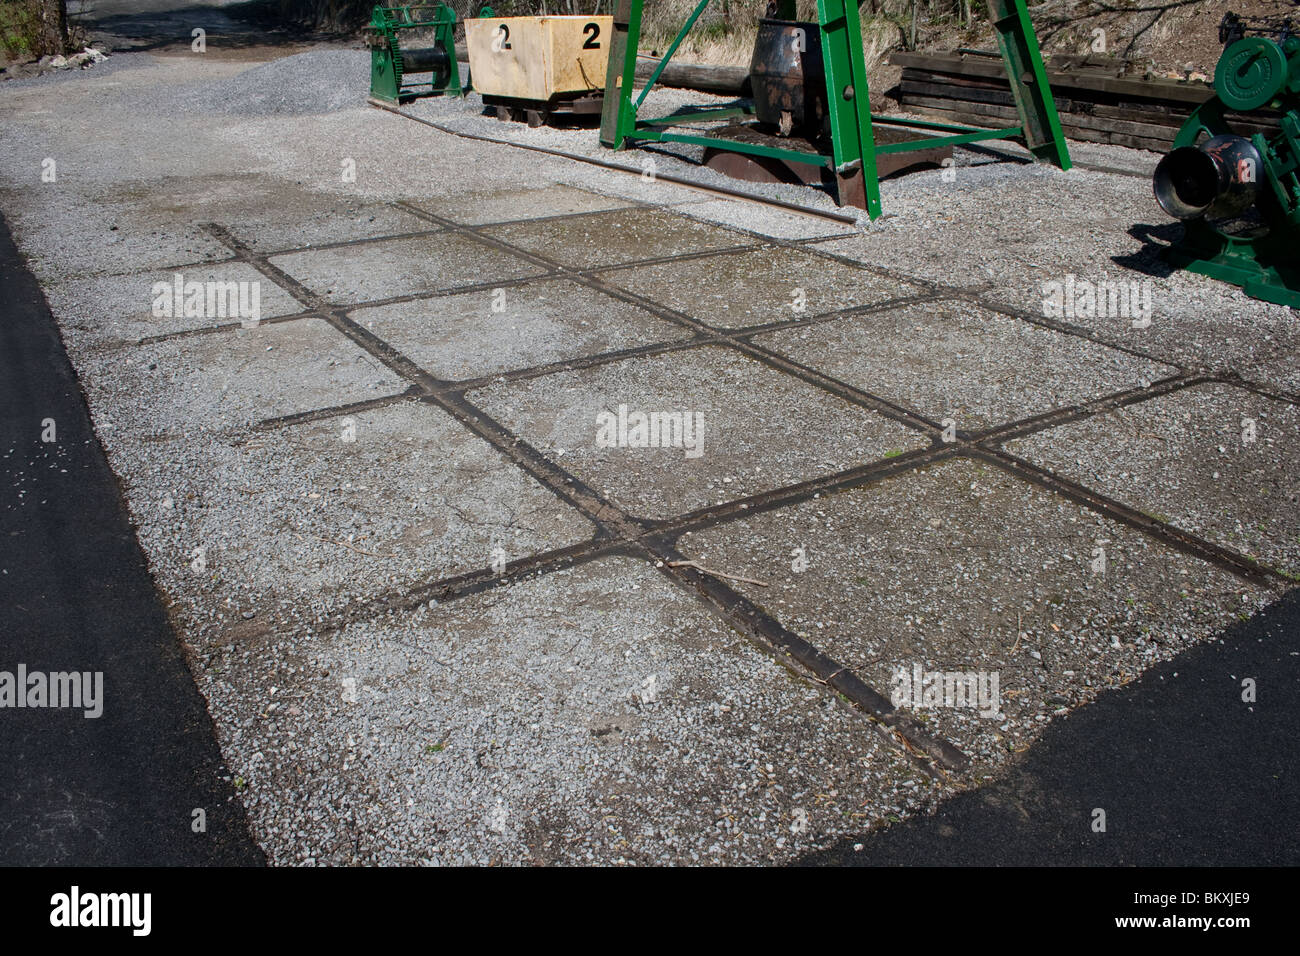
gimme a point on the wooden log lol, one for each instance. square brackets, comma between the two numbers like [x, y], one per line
[964, 118]
[1091, 105]
[724, 80]
[1194, 92]
[989, 114]
[979, 114]
[1071, 112]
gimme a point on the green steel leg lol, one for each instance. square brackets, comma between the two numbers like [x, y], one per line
[853, 144]
[384, 79]
[618, 115]
[1028, 79]
[444, 35]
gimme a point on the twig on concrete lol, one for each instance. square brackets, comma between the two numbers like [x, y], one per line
[342, 544]
[717, 574]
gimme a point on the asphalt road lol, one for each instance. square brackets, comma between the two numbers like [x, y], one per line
[75, 595]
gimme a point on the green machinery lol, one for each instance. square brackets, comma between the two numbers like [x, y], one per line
[833, 99]
[391, 66]
[1239, 197]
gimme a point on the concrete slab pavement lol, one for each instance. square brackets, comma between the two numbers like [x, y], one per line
[445, 619]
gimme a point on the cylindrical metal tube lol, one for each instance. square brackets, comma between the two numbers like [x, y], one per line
[1217, 179]
[787, 78]
[426, 60]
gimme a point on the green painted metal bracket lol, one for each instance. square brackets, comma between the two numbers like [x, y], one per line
[971, 136]
[700, 116]
[618, 115]
[1028, 79]
[445, 37]
[737, 146]
[853, 145]
[668, 54]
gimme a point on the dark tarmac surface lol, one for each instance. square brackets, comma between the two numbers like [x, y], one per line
[75, 594]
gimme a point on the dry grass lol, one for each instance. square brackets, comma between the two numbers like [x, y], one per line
[725, 31]
[724, 34]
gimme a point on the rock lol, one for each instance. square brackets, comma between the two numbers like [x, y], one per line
[87, 57]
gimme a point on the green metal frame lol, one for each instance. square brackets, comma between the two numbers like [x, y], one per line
[386, 74]
[853, 145]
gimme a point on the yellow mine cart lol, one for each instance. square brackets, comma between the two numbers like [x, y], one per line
[531, 67]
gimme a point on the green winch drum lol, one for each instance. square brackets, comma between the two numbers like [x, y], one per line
[392, 65]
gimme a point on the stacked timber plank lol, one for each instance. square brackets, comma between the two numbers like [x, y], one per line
[1098, 101]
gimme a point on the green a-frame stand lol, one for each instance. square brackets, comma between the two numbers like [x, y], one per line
[853, 147]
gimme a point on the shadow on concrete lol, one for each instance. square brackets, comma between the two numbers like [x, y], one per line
[1187, 773]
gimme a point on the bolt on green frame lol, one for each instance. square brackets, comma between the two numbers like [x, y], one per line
[852, 158]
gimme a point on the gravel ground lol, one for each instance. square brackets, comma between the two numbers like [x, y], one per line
[1092, 226]
[781, 432]
[950, 233]
[1192, 458]
[977, 368]
[296, 525]
[600, 713]
[613, 238]
[398, 267]
[617, 723]
[467, 115]
[340, 78]
[757, 287]
[485, 333]
[962, 568]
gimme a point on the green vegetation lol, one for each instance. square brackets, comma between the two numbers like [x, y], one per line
[34, 28]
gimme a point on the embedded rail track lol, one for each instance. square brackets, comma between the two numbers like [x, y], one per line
[727, 192]
[619, 532]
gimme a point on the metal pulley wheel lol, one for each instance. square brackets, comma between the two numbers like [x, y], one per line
[1251, 73]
